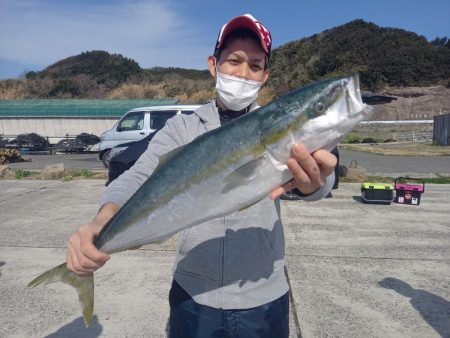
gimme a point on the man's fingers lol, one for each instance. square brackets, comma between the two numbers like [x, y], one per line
[326, 160]
[307, 163]
[72, 262]
[277, 192]
[88, 249]
[297, 171]
[309, 171]
[83, 258]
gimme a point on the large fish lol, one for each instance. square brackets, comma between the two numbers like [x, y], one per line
[224, 170]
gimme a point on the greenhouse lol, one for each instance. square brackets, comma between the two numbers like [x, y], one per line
[75, 108]
[56, 119]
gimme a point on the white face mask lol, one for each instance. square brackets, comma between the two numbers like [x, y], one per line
[236, 93]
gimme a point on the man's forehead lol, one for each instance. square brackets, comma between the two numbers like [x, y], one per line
[245, 48]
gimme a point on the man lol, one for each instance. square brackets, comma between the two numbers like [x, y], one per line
[229, 272]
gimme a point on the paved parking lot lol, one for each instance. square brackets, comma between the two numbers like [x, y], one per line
[355, 270]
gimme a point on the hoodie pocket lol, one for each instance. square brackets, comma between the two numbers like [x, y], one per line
[250, 255]
[199, 250]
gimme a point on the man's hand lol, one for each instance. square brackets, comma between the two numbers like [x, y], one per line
[309, 171]
[83, 258]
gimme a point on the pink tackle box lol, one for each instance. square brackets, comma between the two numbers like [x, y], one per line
[408, 190]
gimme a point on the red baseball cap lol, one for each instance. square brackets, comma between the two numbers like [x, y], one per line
[246, 21]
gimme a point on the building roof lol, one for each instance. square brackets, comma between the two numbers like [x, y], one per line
[75, 107]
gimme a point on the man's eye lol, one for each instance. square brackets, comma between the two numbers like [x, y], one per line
[233, 61]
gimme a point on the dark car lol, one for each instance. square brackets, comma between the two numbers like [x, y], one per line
[128, 157]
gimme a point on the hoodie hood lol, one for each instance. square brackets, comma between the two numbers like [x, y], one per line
[209, 113]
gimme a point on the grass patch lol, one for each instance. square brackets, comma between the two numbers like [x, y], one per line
[21, 174]
[81, 173]
[391, 180]
[378, 179]
[78, 173]
[399, 149]
[351, 138]
[437, 180]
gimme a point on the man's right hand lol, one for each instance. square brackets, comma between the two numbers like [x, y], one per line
[83, 258]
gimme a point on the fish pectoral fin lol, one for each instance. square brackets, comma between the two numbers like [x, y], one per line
[83, 285]
[251, 204]
[167, 156]
[244, 174]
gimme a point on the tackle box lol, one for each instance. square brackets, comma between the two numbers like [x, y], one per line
[381, 193]
[408, 190]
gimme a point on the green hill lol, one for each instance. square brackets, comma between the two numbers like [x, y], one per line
[98, 64]
[382, 56]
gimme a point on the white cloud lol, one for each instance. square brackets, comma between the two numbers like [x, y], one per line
[148, 31]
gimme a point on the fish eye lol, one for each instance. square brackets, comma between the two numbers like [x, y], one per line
[320, 107]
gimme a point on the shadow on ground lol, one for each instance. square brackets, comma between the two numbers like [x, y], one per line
[77, 329]
[434, 309]
[358, 199]
[1, 264]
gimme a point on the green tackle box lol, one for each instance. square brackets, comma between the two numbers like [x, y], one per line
[379, 193]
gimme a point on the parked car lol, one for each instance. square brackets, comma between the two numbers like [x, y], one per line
[125, 155]
[136, 124]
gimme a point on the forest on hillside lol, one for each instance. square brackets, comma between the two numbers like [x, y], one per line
[382, 56]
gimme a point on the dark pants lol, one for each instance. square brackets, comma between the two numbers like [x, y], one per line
[335, 152]
[191, 320]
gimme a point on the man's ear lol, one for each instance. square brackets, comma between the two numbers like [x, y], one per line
[212, 66]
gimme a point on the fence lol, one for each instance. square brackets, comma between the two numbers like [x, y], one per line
[413, 136]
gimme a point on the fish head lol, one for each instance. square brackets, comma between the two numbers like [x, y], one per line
[332, 108]
[319, 97]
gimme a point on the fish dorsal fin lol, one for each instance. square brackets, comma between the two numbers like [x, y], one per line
[163, 159]
[244, 174]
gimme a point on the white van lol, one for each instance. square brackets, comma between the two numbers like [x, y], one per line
[137, 124]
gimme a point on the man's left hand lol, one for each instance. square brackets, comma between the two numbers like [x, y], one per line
[309, 171]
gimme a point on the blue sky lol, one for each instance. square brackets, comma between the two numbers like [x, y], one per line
[37, 33]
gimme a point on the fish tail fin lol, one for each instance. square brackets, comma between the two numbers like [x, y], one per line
[83, 285]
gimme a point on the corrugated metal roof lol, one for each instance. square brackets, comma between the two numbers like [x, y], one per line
[75, 107]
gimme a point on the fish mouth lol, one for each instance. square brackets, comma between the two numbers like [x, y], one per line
[353, 99]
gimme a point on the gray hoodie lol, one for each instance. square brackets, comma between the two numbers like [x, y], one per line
[233, 262]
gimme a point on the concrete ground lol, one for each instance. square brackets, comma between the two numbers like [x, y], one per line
[356, 270]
